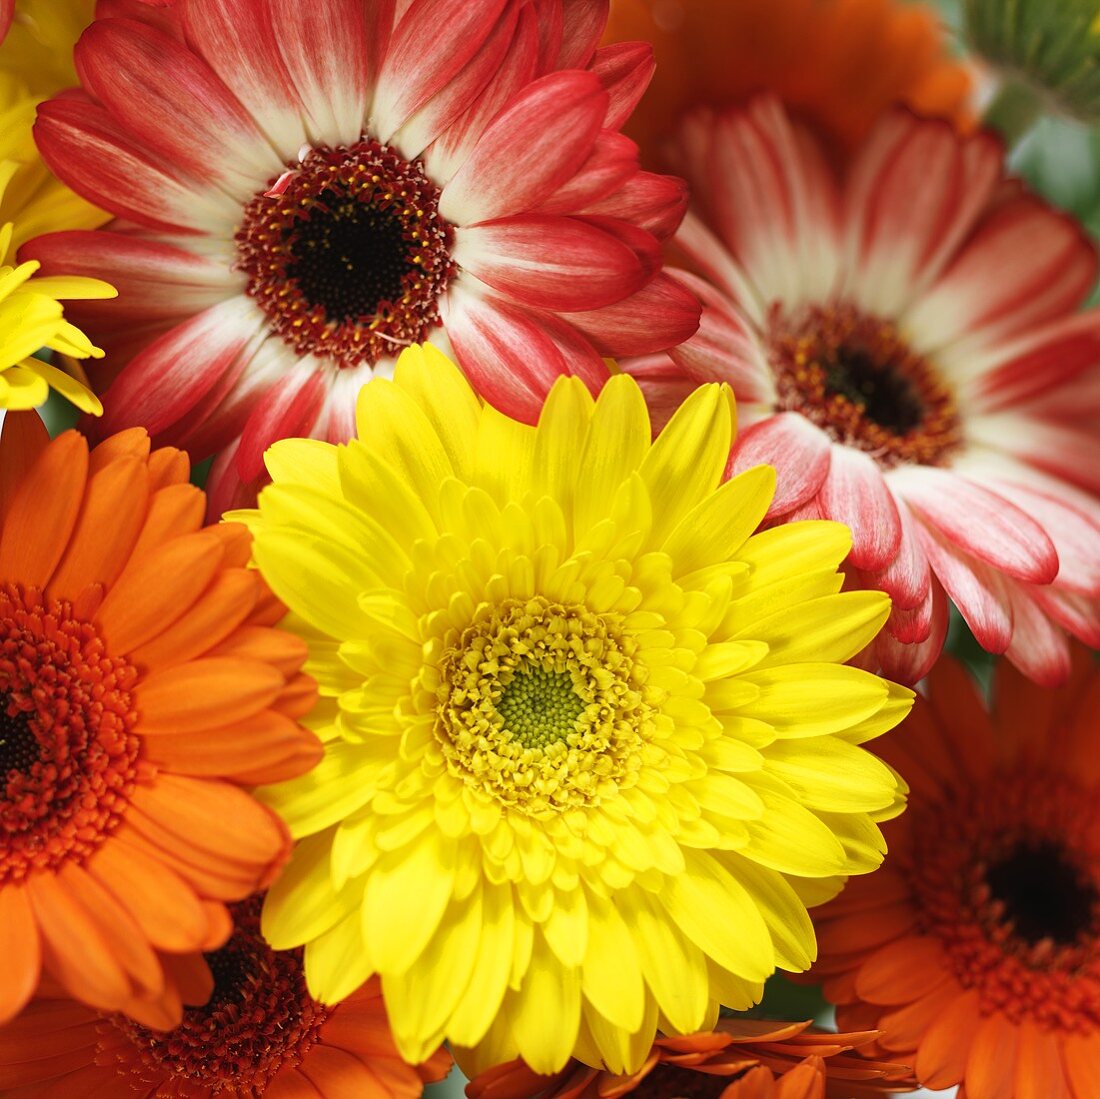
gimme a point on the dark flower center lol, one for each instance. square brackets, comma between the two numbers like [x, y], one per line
[1044, 895]
[259, 1017]
[18, 744]
[672, 1082]
[347, 254]
[855, 377]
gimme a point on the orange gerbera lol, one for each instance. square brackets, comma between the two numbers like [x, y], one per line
[975, 950]
[141, 686]
[259, 1034]
[837, 63]
[739, 1059]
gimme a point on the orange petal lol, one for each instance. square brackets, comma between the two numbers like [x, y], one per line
[237, 541]
[74, 950]
[279, 648]
[338, 1074]
[23, 437]
[124, 937]
[112, 515]
[266, 747]
[173, 511]
[1081, 1058]
[219, 925]
[226, 880]
[991, 1070]
[133, 442]
[213, 823]
[163, 905]
[220, 609]
[945, 1049]
[168, 466]
[43, 511]
[21, 950]
[291, 1084]
[1039, 1072]
[205, 694]
[190, 974]
[298, 697]
[156, 589]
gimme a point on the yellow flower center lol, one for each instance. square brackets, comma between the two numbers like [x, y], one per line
[539, 707]
[543, 706]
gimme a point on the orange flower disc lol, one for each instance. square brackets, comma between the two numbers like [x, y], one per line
[975, 950]
[142, 686]
[260, 1034]
[836, 63]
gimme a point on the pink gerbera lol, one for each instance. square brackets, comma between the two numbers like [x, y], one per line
[906, 350]
[301, 190]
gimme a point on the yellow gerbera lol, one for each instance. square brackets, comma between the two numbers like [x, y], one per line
[590, 744]
[32, 318]
[36, 61]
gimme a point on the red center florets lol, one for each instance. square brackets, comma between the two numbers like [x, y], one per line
[347, 253]
[856, 378]
[68, 751]
[259, 1018]
[1010, 883]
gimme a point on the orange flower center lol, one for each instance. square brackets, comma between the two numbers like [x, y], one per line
[1011, 885]
[347, 253]
[68, 751]
[259, 1018]
[856, 378]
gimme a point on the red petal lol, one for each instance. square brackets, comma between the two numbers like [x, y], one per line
[855, 493]
[799, 451]
[530, 150]
[556, 263]
[978, 521]
[659, 316]
[625, 70]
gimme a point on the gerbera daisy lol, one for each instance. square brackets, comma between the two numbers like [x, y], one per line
[141, 686]
[259, 1034]
[976, 948]
[303, 191]
[739, 1059]
[838, 64]
[591, 747]
[32, 318]
[905, 350]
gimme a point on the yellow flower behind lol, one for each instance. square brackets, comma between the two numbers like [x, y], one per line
[36, 62]
[32, 318]
[590, 744]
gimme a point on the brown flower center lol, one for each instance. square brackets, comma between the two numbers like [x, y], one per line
[666, 1081]
[259, 1018]
[347, 253]
[1009, 881]
[68, 751]
[856, 378]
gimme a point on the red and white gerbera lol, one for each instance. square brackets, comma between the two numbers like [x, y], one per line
[301, 190]
[905, 347]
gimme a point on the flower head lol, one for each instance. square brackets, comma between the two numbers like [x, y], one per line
[1051, 45]
[739, 1059]
[975, 950]
[591, 746]
[259, 1033]
[309, 190]
[917, 370]
[836, 63]
[131, 643]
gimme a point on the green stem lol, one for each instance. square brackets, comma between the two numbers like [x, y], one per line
[1014, 111]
